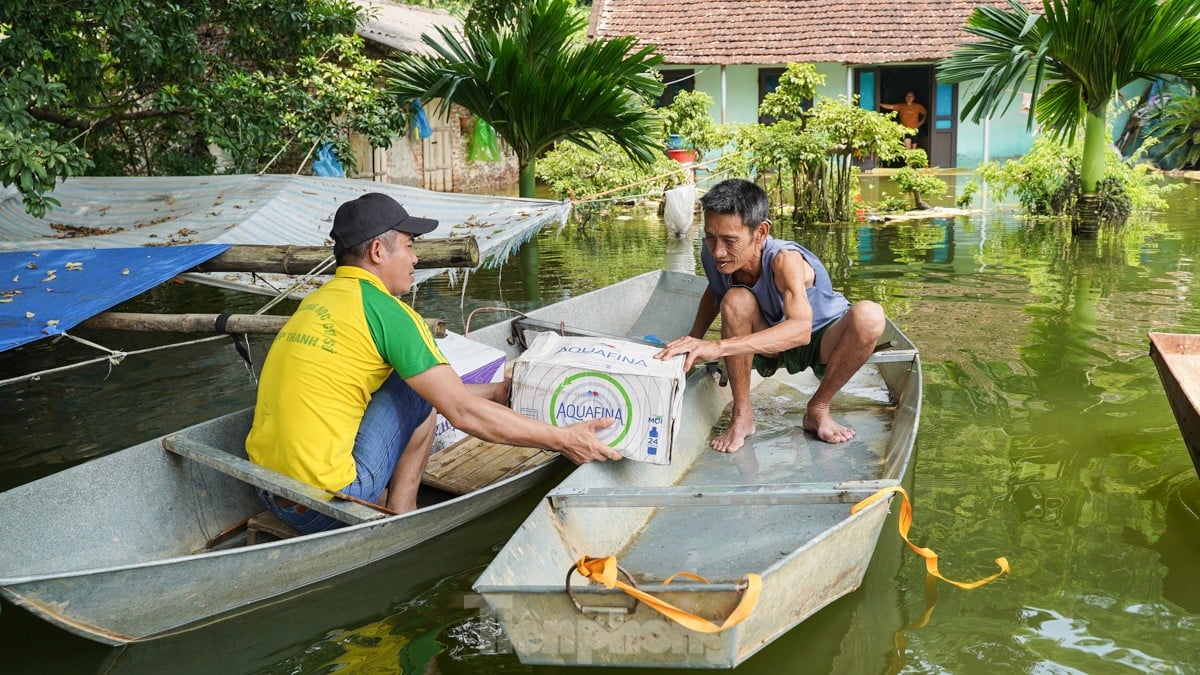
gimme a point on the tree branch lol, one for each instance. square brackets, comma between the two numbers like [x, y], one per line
[75, 123]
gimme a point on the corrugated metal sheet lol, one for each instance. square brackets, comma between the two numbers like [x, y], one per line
[402, 27]
[100, 212]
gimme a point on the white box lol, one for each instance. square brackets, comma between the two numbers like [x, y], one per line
[564, 380]
[475, 363]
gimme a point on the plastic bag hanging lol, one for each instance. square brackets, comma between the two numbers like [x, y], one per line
[327, 165]
[484, 146]
[421, 121]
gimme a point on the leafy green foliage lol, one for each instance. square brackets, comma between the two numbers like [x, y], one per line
[688, 117]
[916, 179]
[967, 196]
[575, 172]
[143, 87]
[531, 79]
[812, 151]
[892, 204]
[1046, 182]
[797, 86]
[1172, 124]
[1086, 50]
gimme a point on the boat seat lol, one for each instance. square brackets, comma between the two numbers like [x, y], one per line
[267, 526]
[321, 501]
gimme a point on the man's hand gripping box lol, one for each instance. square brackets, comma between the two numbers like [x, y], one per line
[565, 380]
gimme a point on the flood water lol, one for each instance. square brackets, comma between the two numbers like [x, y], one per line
[1045, 437]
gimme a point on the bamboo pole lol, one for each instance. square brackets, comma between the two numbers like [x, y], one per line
[259, 324]
[356, 500]
[431, 254]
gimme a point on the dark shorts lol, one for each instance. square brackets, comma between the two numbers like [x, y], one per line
[394, 413]
[795, 359]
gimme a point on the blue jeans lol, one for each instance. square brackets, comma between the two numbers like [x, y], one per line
[394, 413]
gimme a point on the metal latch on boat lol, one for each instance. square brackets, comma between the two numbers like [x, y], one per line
[605, 570]
[612, 615]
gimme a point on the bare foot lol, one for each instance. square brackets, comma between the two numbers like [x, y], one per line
[821, 423]
[732, 439]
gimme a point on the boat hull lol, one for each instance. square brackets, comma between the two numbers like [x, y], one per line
[118, 549]
[1177, 359]
[754, 512]
[147, 584]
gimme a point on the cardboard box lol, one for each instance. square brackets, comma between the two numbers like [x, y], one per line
[564, 380]
[475, 363]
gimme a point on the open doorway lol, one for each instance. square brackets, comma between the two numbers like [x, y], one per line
[876, 85]
[896, 82]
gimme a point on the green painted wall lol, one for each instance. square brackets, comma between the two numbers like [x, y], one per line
[1006, 133]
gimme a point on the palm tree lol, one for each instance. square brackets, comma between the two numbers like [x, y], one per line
[531, 79]
[1087, 50]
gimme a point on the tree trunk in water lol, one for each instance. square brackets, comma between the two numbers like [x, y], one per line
[529, 179]
[1091, 170]
[1087, 215]
[918, 203]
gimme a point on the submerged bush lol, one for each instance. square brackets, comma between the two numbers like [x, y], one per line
[1046, 181]
[576, 173]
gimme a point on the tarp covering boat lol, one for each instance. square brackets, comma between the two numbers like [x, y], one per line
[46, 292]
[149, 214]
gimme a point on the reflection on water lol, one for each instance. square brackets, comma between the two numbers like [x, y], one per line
[1045, 437]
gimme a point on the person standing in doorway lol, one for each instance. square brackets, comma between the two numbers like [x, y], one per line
[911, 114]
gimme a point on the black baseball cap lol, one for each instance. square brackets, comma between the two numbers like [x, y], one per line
[371, 215]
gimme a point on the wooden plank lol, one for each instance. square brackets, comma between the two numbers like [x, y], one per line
[472, 464]
[235, 324]
[477, 465]
[718, 495]
[431, 254]
[284, 486]
[1176, 356]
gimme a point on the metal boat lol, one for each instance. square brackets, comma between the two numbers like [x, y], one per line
[779, 508]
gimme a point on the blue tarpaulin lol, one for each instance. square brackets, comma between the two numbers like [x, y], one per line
[50, 291]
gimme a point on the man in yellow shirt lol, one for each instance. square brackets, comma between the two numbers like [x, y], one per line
[350, 383]
[911, 114]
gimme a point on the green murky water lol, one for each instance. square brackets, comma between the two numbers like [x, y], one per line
[1045, 437]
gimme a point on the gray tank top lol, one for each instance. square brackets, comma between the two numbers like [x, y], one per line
[827, 304]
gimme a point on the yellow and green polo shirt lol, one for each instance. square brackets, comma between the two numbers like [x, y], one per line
[344, 340]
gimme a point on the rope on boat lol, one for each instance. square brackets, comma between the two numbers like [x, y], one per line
[604, 571]
[114, 357]
[931, 558]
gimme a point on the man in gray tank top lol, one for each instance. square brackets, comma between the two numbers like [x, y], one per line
[777, 307]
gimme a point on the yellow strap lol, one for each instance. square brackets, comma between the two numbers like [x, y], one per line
[931, 558]
[604, 570]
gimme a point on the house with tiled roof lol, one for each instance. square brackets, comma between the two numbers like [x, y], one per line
[735, 50]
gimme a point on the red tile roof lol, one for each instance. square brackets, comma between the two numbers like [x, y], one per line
[728, 32]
